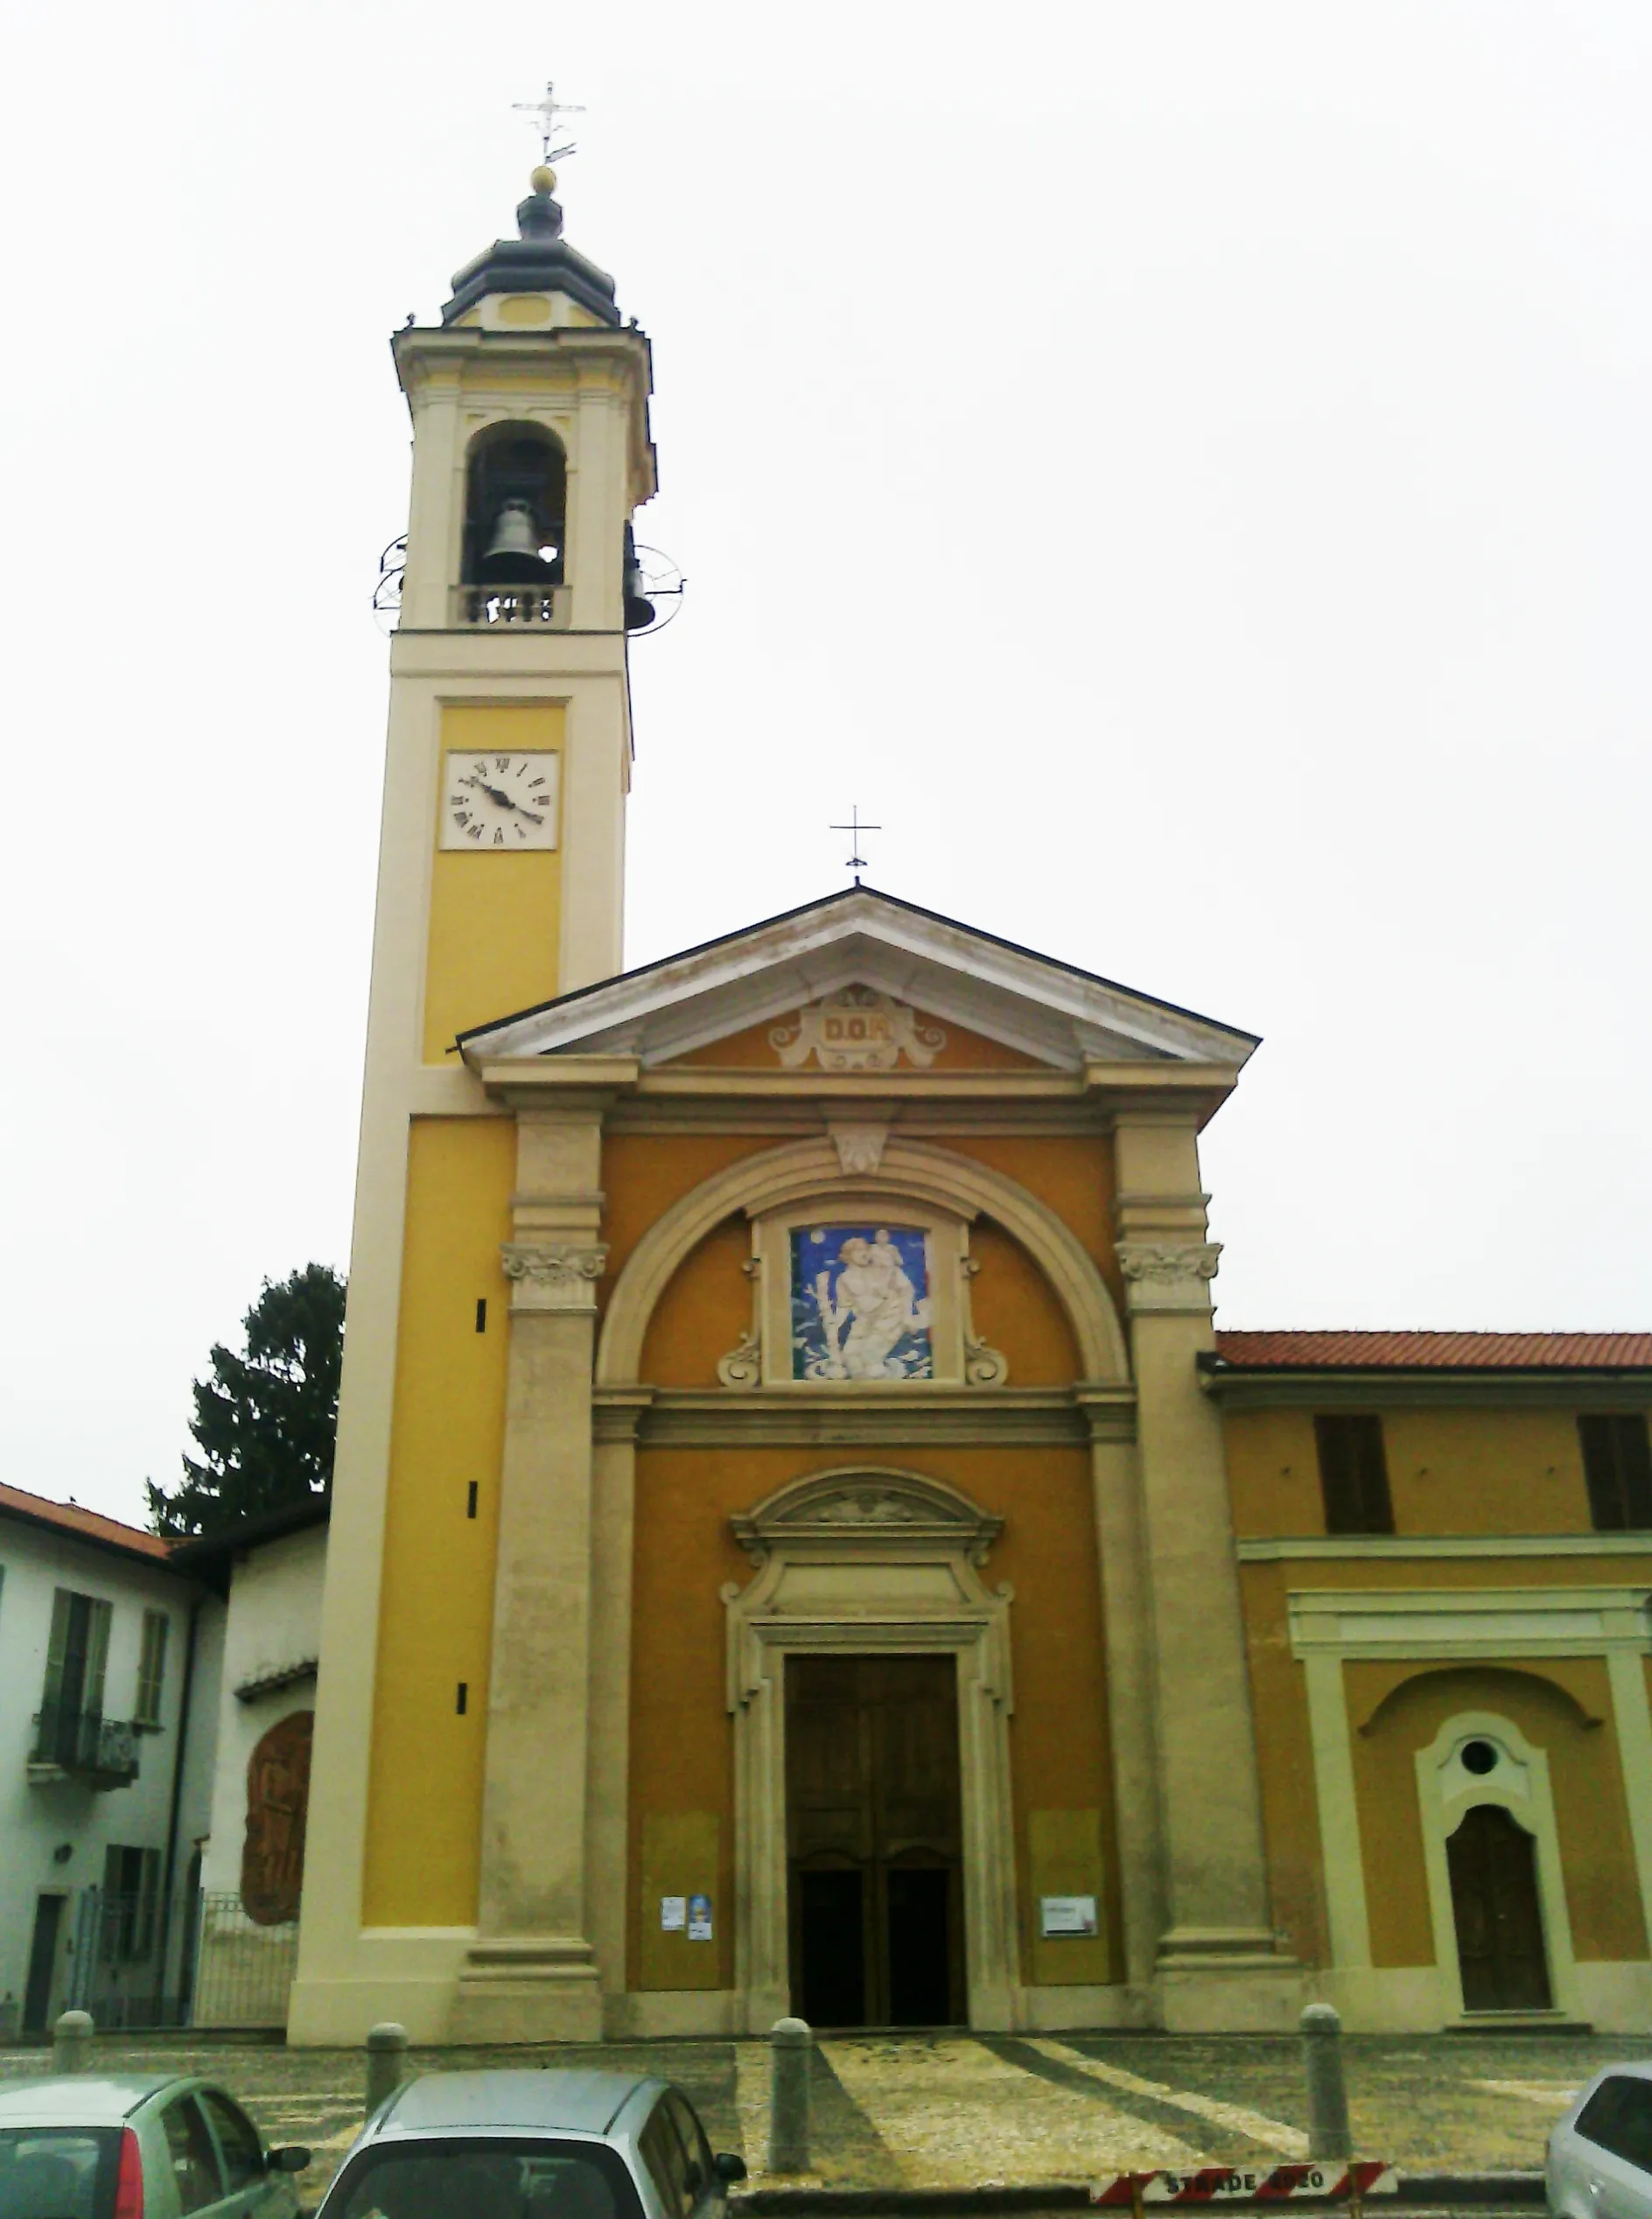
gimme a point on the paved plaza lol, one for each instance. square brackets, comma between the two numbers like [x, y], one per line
[959, 2110]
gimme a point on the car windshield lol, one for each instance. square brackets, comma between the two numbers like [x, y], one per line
[58, 2172]
[486, 2179]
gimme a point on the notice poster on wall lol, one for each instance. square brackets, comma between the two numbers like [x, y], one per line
[674, 1913]
[699, 1918]
[1067, 1915]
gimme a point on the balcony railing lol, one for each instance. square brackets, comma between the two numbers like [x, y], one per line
[79, 1745]
[545, 608]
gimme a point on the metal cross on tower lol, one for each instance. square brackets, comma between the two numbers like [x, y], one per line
[543, 114]
[857, 861]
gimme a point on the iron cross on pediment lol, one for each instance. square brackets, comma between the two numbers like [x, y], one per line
[857, 861]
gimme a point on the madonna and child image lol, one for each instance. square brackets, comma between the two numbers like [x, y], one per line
[860, 1303]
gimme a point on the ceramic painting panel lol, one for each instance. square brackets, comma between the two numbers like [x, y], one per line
[860, 1303]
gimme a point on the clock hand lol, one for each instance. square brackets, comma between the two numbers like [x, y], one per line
[494, 792]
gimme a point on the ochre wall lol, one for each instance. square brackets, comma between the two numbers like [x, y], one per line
[1562, 1706]
[495, 920]
[1016, 1312]
[436, 1616]
[749, 1050]
[1459, 1471]
[1285, 1758]
[682, 1746]
[644, 1173]
[1072, 1174]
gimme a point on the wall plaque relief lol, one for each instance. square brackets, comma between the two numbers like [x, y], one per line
[277, 1804]
[860, 1294]
[857, 1029]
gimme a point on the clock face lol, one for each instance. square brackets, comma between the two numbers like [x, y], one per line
[499, 803]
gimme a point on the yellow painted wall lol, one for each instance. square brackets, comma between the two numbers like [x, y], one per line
[1562, 1706]
[1457, 1471]
[749, 1050]
[495, 920]
[682, 1746]
[436, 1618]
[1285, 1759]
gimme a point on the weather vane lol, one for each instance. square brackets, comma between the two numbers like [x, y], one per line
[542, 115]
[857, 861]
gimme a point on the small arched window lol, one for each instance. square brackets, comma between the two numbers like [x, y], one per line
[515, 506]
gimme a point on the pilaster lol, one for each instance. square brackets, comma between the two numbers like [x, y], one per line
[1218, 1963]
[531, 1974]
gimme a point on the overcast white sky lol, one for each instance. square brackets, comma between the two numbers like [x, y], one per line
[1184, 468]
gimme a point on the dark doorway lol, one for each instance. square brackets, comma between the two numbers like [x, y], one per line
[43, 1958]
[874, 1839]
[1498, 1913]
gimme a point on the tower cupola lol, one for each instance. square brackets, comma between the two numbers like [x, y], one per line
[536, 278]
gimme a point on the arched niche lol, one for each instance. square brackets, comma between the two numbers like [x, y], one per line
[523, 464]
[812, 1175]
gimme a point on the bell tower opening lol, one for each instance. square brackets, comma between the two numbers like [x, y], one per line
[515, 509]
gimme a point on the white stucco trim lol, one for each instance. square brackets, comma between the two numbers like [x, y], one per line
[1445, 1793]
[1478, 1625]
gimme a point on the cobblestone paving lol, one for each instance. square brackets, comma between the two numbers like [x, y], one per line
[956, 2110]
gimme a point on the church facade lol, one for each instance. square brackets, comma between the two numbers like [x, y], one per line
[799, 1541]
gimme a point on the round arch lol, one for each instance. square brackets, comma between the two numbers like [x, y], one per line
[909, 1168]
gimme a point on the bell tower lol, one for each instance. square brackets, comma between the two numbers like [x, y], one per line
[510, 731]
[501, 883]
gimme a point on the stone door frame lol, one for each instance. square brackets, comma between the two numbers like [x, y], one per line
[873, 1562]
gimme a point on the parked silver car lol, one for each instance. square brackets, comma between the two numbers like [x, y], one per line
[1599, 2163]
[133, 2145]
[548, 2144]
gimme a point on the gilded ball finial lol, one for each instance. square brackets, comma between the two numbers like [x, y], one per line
[542, 178]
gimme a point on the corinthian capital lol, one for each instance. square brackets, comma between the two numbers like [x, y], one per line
[1163, 1275]
[554, 1276]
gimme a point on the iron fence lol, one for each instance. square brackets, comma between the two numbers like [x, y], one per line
[136, 1966]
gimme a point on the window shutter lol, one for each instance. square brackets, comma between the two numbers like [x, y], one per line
[149, 1890]
[151, 1671]
[97, 1657]
[57, 1649]
[1354, 1473]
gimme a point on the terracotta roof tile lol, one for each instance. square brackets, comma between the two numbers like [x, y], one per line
[91, 1525]
[1435, 1351]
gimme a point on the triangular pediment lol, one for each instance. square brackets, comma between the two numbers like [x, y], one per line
[786, 991]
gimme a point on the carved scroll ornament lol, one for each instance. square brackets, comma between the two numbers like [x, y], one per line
[554, 1277]
[856, 1030]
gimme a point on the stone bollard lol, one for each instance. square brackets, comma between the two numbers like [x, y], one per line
[71, 2042]
[1329, 2133]
[791, 2043]
[387, 2062]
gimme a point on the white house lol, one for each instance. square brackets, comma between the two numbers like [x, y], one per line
[266, 1578]
[155, 1708]
[103, 1646]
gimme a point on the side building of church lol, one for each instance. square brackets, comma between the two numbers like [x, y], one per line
[799, 1542]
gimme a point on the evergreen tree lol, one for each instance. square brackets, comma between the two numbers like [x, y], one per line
[265, 1422]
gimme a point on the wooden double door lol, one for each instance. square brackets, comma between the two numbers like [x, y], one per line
[874, 1840]
[1498, 1913]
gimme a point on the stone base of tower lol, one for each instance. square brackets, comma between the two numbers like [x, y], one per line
[528, 1988]
[1227, 1980]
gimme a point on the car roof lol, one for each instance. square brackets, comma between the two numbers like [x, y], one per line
[573, 2102]
[79, 2099]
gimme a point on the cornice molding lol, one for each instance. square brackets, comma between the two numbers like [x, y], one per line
[1378, 1391]
[1366, 1547]
[911, 1411]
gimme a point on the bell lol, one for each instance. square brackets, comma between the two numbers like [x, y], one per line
[512, 556]
[638, 608]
